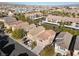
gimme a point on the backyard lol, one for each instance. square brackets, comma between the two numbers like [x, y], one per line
[60, 28]
[48, 26]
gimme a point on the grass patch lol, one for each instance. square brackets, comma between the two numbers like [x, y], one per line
[48, 51]
[34, 44]
[60, 28]
[48, 26]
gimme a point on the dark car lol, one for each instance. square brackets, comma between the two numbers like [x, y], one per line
[26, 42]
[24, 39]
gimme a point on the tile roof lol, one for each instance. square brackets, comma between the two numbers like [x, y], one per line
[47, 34]
[31, 26]
[76, 47]
[36, 30]
[22, 25]
[32, 14]
[9, 20]
[61, 18]
[64, 39]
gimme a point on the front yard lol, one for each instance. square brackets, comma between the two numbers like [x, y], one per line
[48, 51]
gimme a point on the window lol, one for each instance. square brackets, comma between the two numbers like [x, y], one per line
[59, 40]
[62, 48]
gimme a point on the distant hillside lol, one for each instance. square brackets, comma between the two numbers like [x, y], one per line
[14, 4]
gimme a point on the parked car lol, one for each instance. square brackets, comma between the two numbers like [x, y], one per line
[26, 42]
[24, 39]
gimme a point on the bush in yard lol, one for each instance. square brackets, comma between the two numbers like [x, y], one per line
[18, 33]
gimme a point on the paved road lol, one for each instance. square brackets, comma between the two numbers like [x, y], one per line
[20, 49]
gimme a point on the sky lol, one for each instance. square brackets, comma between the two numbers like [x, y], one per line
[46, 3]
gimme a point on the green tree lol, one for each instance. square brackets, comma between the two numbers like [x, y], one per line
[1, 24]
[3, 14]
[30, 21]
[73, 15]
[61, 27]
[78, 14]
[18, 33]
[9, 30]
[34, 44]
[44, 12]
[20, 17]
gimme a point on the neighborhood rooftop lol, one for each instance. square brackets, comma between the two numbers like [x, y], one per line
[63, 40]
[61, 18]
[9, 20]
[76, 47]
[36, 31]
[47, 34]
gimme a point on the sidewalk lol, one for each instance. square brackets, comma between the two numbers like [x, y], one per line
[38, 49]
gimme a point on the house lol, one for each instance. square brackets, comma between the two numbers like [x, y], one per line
[31, 26]
[34, 15]
[46, 37]
[11, 22]
[76, 46]
[34, 32]
[71, 10]
[8, 21]
[10, 13]
[23, 25]
[68, 21]
[20, 25]
[62, 43]
[42, 37]
[53, 18]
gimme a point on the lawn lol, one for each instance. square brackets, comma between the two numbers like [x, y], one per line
[48, 51]
[60, 28]
[48, 26]
[72, 31]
